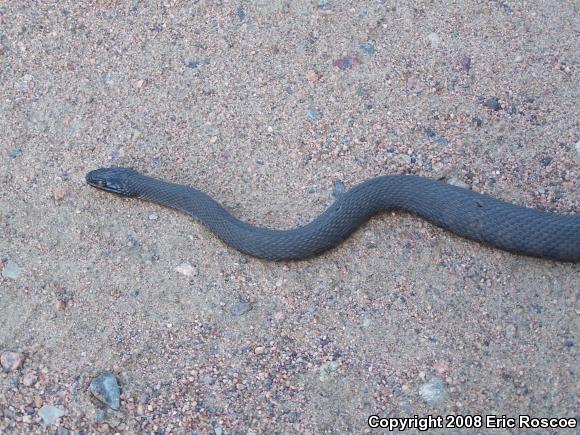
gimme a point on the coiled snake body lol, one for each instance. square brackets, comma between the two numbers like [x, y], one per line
[472, 215]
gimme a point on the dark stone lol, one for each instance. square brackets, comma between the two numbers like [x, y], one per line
[241, 13]
[346, 62]
[106, 388]
[240, 308]
[492, 103]
[367, 48]
[430, 133]
[465, 63]
[15, 152]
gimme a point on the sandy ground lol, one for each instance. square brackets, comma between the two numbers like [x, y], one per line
[263, 105]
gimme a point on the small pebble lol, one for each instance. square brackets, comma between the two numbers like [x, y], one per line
[15, 152]
[11, 360]
[367, 48]
[11, 270]
[259, 350]
[442, 367]
[217, 430]
[312, 76]
[430, 133]
[433, 392]
[346, 62]
[519, 58]
[50, 414]
[405, 408]
[465, 63]
[59, 193]
[38, 401]
[326, 370]
[29, 379]
[578, 151]
[546, 161]
[186, 269]
[106, 388]
[313, 114]
[454, 181]
[404, 159]
[241, 13]
[492, 103]
[512, 109]
[434, 38]
[153, 217]
[240, 308]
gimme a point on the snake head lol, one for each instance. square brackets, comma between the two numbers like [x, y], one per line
[114, 180]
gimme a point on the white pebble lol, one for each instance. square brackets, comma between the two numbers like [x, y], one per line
[50, 414]
[11, 270]
[433, 392]
[186, 269]
[434, 38]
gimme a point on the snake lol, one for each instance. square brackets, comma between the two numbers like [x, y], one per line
[472, 215]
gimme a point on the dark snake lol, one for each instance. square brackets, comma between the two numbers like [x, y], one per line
[469, 214]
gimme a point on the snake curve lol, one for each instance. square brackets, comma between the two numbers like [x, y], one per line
[469, 214]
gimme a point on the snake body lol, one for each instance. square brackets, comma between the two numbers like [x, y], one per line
[469, 214]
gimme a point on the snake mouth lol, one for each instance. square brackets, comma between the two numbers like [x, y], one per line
[114, 180]
[93, 180]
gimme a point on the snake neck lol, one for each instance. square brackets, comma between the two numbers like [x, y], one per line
[162, 192]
